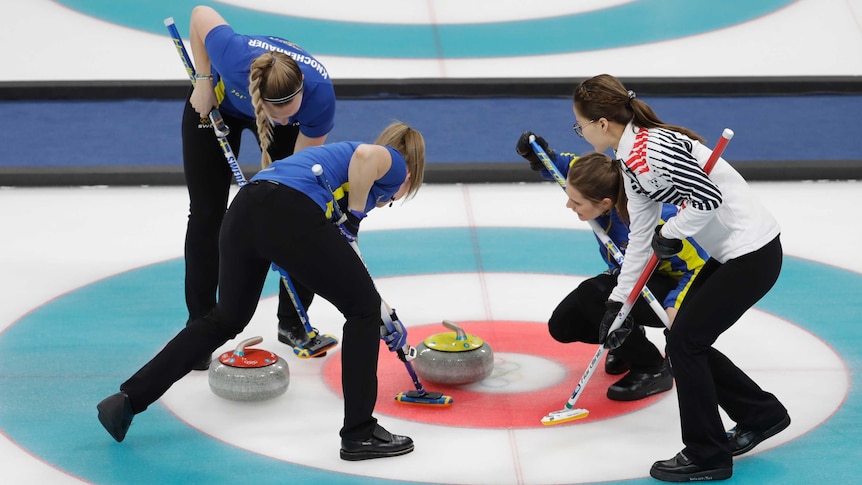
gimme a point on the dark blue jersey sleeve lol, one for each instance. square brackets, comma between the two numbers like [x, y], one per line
[684, 266]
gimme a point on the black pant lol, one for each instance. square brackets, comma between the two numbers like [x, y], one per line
[208, 178]
[578, 316]
[705, 378]
[268, 222]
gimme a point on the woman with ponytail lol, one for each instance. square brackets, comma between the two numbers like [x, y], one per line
[270, 86]
[600, 196]
[284, 216]
[664, 164]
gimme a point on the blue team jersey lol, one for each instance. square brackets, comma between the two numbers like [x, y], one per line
[295, 171]
[231, 55]
[683, 267]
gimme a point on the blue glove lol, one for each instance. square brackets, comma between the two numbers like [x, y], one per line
[618, 336]
[665, 248]
[396, 336]
[350, 225]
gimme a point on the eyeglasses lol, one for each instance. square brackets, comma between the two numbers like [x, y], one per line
[579, 130]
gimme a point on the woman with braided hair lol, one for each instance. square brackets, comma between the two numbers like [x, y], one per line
[270, 86]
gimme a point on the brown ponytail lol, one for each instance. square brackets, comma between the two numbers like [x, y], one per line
[597, 177]
[604, 96]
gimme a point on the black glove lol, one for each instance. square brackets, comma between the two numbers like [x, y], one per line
[618, 336]
[525, 150]
[665, 248]
[350, 226]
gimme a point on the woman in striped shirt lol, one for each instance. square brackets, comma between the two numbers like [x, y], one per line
[662, 163]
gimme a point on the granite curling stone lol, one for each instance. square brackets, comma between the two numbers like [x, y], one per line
[454, 358]
[247, 374]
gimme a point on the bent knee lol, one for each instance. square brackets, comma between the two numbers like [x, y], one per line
[565, 330]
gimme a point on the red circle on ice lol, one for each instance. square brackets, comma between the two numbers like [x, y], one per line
[472, 408]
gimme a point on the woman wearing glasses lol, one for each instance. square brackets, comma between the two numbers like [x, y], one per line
[578, 317]
[662, 163]
[270, 86]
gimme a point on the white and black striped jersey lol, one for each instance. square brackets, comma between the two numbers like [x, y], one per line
[718, 210]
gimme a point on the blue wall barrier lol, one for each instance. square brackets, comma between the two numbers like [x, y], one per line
[777, 137]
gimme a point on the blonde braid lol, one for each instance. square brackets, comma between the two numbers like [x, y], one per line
[264, 126]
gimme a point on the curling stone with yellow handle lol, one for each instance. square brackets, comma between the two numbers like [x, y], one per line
[454, 357]
[247, 374]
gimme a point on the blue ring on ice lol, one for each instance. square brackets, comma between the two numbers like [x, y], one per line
[629, 24]
[106, 330]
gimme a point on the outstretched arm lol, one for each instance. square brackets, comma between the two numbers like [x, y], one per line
[204, 19]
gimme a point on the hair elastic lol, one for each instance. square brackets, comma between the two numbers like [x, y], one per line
[631, 94]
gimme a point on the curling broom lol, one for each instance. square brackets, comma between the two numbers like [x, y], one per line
[569, 412]
[418, 396]
[318, 344]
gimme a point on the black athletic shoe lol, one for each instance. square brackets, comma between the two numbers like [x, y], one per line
[292, 335]
[615, 365]
[382, 444]
[681, 469]
[296, 337]
[638, 384]
[743, 439]
[203, 364]
[115, 414]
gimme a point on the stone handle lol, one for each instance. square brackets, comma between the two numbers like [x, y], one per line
[455, 328]
[240, 348]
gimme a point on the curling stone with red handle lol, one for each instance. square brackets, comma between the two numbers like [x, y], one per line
[247, 374]
[454, 358]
